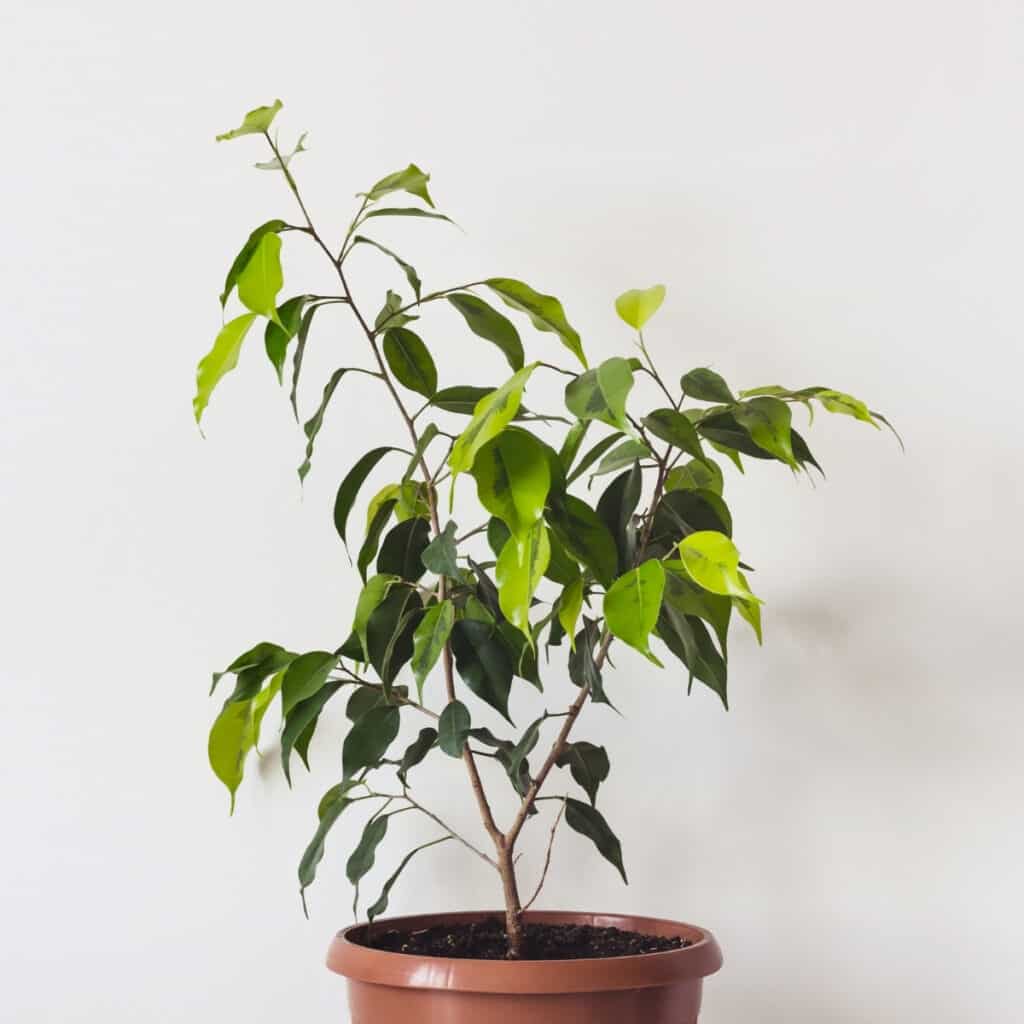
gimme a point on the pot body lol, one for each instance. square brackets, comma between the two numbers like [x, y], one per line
[656, 988]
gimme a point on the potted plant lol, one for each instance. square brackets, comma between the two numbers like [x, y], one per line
[481, 551]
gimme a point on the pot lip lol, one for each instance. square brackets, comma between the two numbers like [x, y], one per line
[647, 970]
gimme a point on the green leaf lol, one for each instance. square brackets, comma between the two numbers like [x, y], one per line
[252, 668]
[487, 323]
[244, 256]
[750, 611]
[410, 361]
[562, 568]
[316, 421]
[497, 535]
[513, 479]
[571, 445]
[615, 508]
[390, 631]
[334, 802]
[300, 352]
[278, 335]
[585, 536]
[680, 513]
[406, 211]
[373, 593]
[261, 278]
[255, 122]
[706, 386]
[676, 429]
[416, 752]
[712, 561]
[381, 903]
[588, 764]
[845, 405]
[545, 311]
[304, 676]
[280, 163]
[235, 732]
[349, 488]
[402, 550]
[491, 415]
[368, 739]
[638, 305]
[589, 822]
[688, 639]
[696, 476]
[440, 556]
[389, 316]
[631, 605]
[410, 271]
[368, 551]
[725, 433]
[427, 435]
[520, 568]
[363, 699]
[570, 604]
[601, 394]
[768, 422]
[624, 454]
[411, 180]
[429, 639]
[463, 399]
[482, 660]
[299, 720]
[517, 756]
[453, 728]
[593, 455]
[689, 599]
[583, 670]
[361, 861]
[222, 358]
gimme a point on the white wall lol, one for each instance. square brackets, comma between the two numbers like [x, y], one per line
[832, 193]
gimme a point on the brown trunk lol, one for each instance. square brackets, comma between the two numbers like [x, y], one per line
[513, 907]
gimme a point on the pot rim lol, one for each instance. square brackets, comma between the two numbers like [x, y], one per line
[646, 970]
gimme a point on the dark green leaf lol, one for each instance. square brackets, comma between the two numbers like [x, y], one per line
[688, 639]
[303, 716]
[360, 863]
[463, 398]
[518, 754]
[583, 670]
[589, 765]
[368, 551]
[687, 598]
[706, 386]
[402, 550]
[453, 728]
[487, 592]
[304, 676]
[300, 353]
[615, 509]
[723, 429]
[487, 323]
[524, 656]
[483, 662]
[429, 639]
[497, 535]
[593, 455]
[440, 556]
[676, 429]
[316, 421]
[390, 632]
[349, 488]
[583, 534]
[381, 903]
[363, 699]
[416, 752]
[332, 805]
[368, 739]
[680, 513]
[277, 336]
[696, 476]
[545, 311]
[410, 271]
[589, 822]
[410, 361]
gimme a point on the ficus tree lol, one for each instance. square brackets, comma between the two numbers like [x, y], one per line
[460, 599]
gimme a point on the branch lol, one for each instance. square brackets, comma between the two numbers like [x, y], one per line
[547, 856]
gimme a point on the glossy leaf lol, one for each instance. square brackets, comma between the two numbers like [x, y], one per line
[482, 660]
[440, 556]
[374, 591]
[570, 604]
[255, 122]
[463, 398]
[431, 635]
[453, 728]
[300, 721]
[638, 305]
[410, 271]
[363, 699]
[601, 394]
[333, 804]
[520, 568]
[362, 859]
[304, 676]
[622, 455]
[368, 739]
[513, 478]
[712, 561]
[689, 599]
[706, 386]
[593, 454]
[487, 323]
[583, 668]
[277, 336]
[589, 822]
[241, 261]
[616, 507]
[588, 764]
[768, 422]
[680, 513]
[390, 631]
[676, 429]
[571, 444]
[696, 476]
[631, 605]
[416, 752]
[348, 491]
[221, 359]
[545, 311]
[410, 362]
[376, 526]
[380, 905]
[402, 550]
[585, 536]
[491, 415]
[688, 639]
[252, 668]
[261, 278]
[411, 180]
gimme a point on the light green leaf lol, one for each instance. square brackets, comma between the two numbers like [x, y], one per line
[410, 271]
[570, 604]
[676, 429]
[429, 639]
[222, 358]
[381, 903]
[712, 561]
[706, 386]
[491, 415]
[254, 123]
[767, 421]
[373, 593]
[304, 676]
[453, 728]
[261, 278]
[750, 611]
[696, 476]
[406, 211]
[519, 571]
[545, 311]
[411, 180]
[410, 361]
[632, 603]
[286, 158]
[846, 405]
[245, 255]
[638, 305]
[487, 323]
[621, 456]
[601, 394]
[513, 478]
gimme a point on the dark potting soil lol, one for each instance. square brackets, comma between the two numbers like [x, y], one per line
[485, 940]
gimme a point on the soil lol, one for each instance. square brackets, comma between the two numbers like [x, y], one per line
[485, 940]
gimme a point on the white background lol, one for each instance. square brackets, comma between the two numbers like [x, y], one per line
[831, 192]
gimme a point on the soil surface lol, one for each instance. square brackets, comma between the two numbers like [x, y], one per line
[485, 940]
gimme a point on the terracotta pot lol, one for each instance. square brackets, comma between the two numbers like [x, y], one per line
[656, 988]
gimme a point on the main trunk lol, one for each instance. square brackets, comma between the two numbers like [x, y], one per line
[513, 908]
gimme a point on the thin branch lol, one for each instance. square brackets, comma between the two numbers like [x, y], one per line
[547, 857]
[455, 835]
[355, 680]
